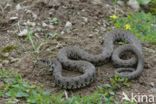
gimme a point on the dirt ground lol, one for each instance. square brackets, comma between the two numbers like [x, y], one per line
[80, 22]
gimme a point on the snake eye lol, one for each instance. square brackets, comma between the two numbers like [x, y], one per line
[52, 66]
[43, 61]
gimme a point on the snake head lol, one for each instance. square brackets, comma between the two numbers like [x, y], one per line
[46, 62]
[53, 64]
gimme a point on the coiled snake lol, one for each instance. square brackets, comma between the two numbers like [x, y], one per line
[75, 58]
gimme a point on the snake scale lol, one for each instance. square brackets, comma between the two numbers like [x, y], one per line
[77, 59]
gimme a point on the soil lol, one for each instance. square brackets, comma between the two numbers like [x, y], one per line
[89, 22]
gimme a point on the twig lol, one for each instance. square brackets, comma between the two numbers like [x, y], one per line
[19, 26]
[2, 9]
[66, 94]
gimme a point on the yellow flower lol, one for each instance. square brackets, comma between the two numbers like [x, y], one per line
[114, 17]
[128, 27]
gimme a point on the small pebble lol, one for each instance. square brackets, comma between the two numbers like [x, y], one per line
[18, 7]
[121, 3]
[96, 2]
[29, 23]
[153, 90]
[34, 16]
[12, 59]
[13, 18]
[23, 33]
[44, 24]
[50, 26]
[39, 29]
[134, 5]
[90, 35]
[6, 54]
[62, 32]
[68, 26]
[85, 19]
[152, 84]
[5, 62]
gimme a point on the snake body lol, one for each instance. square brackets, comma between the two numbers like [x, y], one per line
[76, 59]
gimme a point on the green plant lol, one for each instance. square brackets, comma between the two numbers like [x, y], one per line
[141, 24]
[129, 102]
[144, 2]
[152, 7]
[54, 21]
[52, 35]
[141, 2]
[6, 50]
[36, 48]
[118, 82]
[30, 33]
[115, 1]
[17, 90]
[109, 90]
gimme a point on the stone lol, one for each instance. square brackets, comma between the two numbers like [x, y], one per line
[134, 5]
[96, 2]
[13, 18]
[29, 23]
[5, 62]
[85, 19]
[18, 7]
[62, 32]
[90, 35]
[51, 26]
[121, 3]
[152, 84]
[68, 26]
[153, 90]
[12, 59]
[23, 33]
[6, 54]
[44, 24]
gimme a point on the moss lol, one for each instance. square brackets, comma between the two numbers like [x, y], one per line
[142, 25]
[2, 57]
[8, 48]
[153, 10]
[152, 7]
